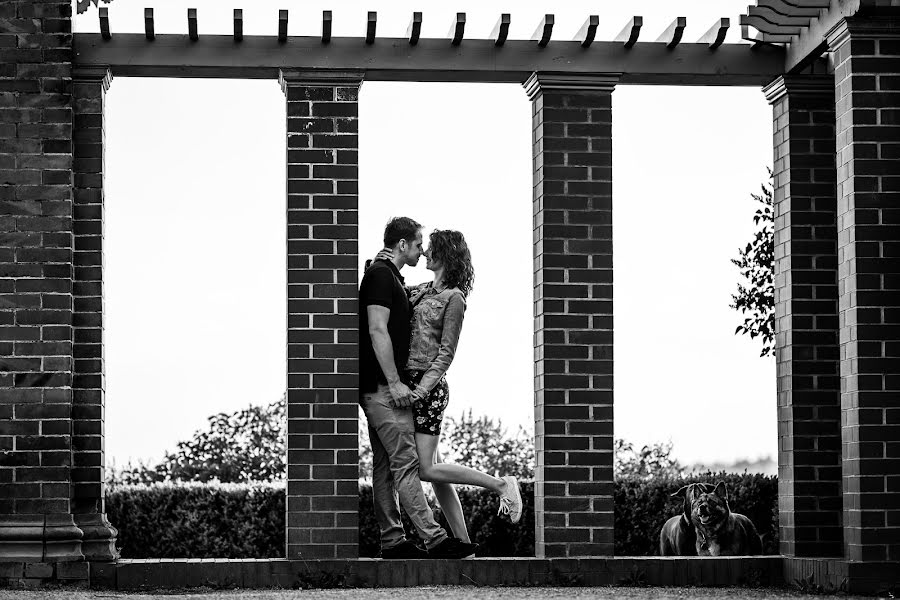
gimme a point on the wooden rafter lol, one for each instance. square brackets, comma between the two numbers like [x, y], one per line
[458, 29]
[544, 31]
[415, 28]
[631, 32]
[238, 24]
[501, 29]
[588, 31]
[371, 25]
[671, 37]
[149, 33]
[104, 23]
[192, 24]
[282, 26]
[715, 37]
[326, 26]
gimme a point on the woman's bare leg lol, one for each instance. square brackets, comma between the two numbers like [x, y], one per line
[437, 472]
[450, 505]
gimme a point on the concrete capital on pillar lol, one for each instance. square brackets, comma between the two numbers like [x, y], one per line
[805, 86]
[542, 81]
[879, 27]
[322, 78]
[93, 74]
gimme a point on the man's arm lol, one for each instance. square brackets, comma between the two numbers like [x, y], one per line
[384, 352]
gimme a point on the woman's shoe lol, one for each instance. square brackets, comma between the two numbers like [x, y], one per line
[511, 500]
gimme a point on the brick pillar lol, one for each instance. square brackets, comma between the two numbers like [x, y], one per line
[867, 63]
[572, 149]
[36, 274]
[806, 338]
[88, 402]
[323, 322]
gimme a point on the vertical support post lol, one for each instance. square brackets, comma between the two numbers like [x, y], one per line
[806, 338]
[323, 323]
[572, 150]
[36, 273]
[867, 59]
[90, 85]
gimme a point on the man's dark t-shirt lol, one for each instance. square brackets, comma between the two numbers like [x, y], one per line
[382, 284]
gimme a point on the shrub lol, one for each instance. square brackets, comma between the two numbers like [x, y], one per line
[247, 521]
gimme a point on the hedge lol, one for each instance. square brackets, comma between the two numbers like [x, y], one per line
[247, 521]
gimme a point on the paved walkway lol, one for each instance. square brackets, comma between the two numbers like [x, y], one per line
[440, 593]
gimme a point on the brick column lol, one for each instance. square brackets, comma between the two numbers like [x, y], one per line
[867, 63]
[806, 322]
[323, 323]
[36, 273]
[572, 149]
[88, 477]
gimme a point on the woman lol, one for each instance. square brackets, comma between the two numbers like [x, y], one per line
[438, 311]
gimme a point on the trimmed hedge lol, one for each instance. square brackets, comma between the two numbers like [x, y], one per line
[247, 521]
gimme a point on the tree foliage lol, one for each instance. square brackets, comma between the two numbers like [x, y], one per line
[84, 5]
[647, 463]
[756, 264]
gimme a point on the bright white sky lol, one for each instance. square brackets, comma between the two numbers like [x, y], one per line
[195, 229]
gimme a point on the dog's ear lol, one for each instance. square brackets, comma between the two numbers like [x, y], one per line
[680, 493]
[720, 491]
[683, 492]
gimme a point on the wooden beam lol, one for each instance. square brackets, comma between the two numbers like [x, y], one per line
[371, 24]
[282, 26]
[784, 8]
[775, 18]
[673, 33]
[716, 34]
[631, 32]
[810, 43]
[104, 23]
[544, 31]
[765, 26]
[820, 4]
[394, 59]
[148, 24]
[238, 24]
[764, 38]
[192, 24]
[415, 28]
[326, 26]
[588, 31]
[501, 29]
[458, 29]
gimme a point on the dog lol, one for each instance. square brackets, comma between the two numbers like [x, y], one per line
[678, 537]
[720, 532]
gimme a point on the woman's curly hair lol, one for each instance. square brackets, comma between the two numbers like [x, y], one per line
[449, 248]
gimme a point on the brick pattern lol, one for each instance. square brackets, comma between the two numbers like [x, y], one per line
[572, 150]
[88, 401]
[323, 325]
[369, 573]
[867, 63]
[806, 342]
[36, 274]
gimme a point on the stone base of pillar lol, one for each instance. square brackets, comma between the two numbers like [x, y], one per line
[99, 541]
[40, 538]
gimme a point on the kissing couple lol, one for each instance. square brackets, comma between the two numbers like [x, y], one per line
[408, 337]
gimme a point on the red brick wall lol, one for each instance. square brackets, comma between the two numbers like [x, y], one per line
[867, 63]
[806, 345]
[36, 280]
[323, 380]
[572, 150]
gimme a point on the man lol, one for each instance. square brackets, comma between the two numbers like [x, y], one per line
[384, 317]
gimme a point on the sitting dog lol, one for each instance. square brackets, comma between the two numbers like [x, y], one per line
[720, 532]
[678, 537]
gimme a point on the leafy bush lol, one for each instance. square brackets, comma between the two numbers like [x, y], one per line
[642, 507]
[247, 521]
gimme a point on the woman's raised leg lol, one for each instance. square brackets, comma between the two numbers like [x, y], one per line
[438, 472]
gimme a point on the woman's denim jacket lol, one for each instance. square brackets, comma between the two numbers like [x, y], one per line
[436, 323]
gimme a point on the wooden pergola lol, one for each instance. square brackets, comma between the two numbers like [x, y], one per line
[829, 69]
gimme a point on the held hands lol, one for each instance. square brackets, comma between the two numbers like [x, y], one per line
[401, 395]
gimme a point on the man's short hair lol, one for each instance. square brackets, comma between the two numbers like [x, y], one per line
[400, 228]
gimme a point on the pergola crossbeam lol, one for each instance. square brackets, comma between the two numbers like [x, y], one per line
[238, 24]
[716, 34]
[371, 25]
[588, 31]
[149, 33]
[671, 37]
[326, 26]
[632, 31]
[282, 26]
[415, 28]
[501, 29]
[395, 59]
[772, 16]
[544, 31]
[104, 23]
[764, 26]
[458, 29]
[192, 24]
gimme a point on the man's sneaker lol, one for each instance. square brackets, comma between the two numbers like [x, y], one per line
[405, 550]
[453, 548]
[511, 500]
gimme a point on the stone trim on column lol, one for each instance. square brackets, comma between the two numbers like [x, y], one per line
[323, 322]
[806, 324]
[90, 85]
[866, 58]
[572, 206]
